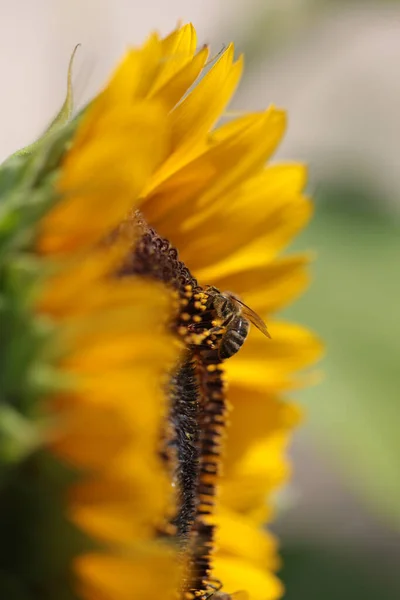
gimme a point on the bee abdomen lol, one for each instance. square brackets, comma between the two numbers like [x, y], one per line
[234, 338]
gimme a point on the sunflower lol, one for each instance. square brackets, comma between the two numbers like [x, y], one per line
[166, 448]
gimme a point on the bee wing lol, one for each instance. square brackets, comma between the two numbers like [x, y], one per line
[254, 318]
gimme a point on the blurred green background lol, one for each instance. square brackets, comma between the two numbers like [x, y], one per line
[345, 542]
[334, 66]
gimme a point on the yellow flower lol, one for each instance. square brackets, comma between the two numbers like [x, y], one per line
[229, 216]
[167, 493]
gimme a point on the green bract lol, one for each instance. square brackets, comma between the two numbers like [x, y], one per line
[32, 483]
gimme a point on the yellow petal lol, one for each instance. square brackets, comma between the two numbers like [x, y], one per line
[96, 422]
[181, 41]
[269, 364]
[254, 208]
[259, 135]
[99, 350]
[238, 537]
[190, 194]
[255, 416]
[101, 179]
[198, 112]
[268, 287]
[99, 295]
[87, 437]
[172, 89]
[191, 121]
[134, 77]
[177, 50]
[82, 271]
[121, 510]
[238, 575]
[289, 218]
[248, 482]
[250, 140]
[141, 576]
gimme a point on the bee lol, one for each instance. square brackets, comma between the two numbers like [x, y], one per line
[235, 318]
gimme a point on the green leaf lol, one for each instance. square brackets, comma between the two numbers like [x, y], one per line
[27, 189]
[63, 115]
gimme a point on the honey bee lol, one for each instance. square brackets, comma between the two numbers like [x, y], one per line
[236, 317]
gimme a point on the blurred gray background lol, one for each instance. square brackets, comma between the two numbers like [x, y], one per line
[335, 66]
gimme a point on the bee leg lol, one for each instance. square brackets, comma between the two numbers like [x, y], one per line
[214, 585]
[199, 326]
[217, 330]
[211, 341]
[214, 336]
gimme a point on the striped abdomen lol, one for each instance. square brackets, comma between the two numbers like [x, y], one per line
[234, 337]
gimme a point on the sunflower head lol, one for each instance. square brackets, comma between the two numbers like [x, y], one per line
[144, 421]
